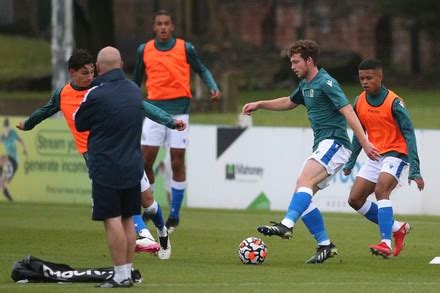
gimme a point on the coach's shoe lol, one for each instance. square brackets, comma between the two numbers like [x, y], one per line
[146, 244]
[399, 238]
[381, 249]
[165, 247]
[172, 224]
[323, 252]
[276, 229]
[127, 283]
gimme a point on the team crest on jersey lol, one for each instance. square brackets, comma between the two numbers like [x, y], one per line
[311, 93]
[330, 82]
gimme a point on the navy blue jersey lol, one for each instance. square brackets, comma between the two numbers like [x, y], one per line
[113, 112]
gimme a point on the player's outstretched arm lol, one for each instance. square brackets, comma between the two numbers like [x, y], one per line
[52, 107]
[280, 104]
[158, 115]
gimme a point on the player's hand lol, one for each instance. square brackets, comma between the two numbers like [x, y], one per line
[215, 96]
[20, 125]
[346, 171]
[419, 181]
[371, 151]
[249, 107]
[179, 124]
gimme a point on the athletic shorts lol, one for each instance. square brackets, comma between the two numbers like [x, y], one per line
[332, 155]
[9, 168]
[145, 183]
[155, 134]
[111, 202]
[370, 169]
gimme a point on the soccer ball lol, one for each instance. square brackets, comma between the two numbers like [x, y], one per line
[252, 250]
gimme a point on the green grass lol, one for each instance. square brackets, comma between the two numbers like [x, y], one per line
[24, 57]
[204, 253]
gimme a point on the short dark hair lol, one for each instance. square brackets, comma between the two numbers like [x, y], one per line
[6, 122]
[163, 12]
[307, 48]
[79, 59]
[369, 64]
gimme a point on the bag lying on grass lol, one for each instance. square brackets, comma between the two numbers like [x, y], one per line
[34, 270]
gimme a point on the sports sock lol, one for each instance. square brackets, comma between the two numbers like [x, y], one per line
[7, 194]
[177, 190]
[369, 211]
[139, 224]
[121, 273]
[396, 226]
[313, 220]
[155, 213]
[385, 217]
[162, 232]
[128, 268]
[298, 204]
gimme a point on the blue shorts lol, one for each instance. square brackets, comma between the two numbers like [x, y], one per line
[111, 202]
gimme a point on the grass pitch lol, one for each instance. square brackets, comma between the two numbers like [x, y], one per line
[205, 258]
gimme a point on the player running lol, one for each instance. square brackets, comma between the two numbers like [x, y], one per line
[384, 117]
[328, 111]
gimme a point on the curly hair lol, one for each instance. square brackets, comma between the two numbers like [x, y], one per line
[79, 59]
[307, 48]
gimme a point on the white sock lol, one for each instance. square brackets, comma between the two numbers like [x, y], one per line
[178, 185]
[387, 241]
[324, 243]
[162, 232]
[145, 233]
[396, 225]
[129, 267]
[120, 273]
[288, 223]
[152, 209]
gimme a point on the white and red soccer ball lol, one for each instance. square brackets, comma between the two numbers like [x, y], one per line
[252, 250]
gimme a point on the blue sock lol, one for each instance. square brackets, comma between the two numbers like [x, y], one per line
[369, 211]
[138, 223]
[157, 218]
[315, 223]
[299, 203]
[385, 217]
[372, 213]
[176, 202]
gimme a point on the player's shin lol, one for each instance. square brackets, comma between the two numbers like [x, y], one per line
[314, 222]
[385, 218]
[299, 203]
[369, 211]
[177, 190]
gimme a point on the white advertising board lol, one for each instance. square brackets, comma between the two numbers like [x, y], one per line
[257, 167]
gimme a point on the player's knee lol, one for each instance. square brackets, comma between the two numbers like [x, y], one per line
[354, 203]
[382, 192]
[147, 198]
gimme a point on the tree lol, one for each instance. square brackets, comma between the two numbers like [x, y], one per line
[422, 15]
